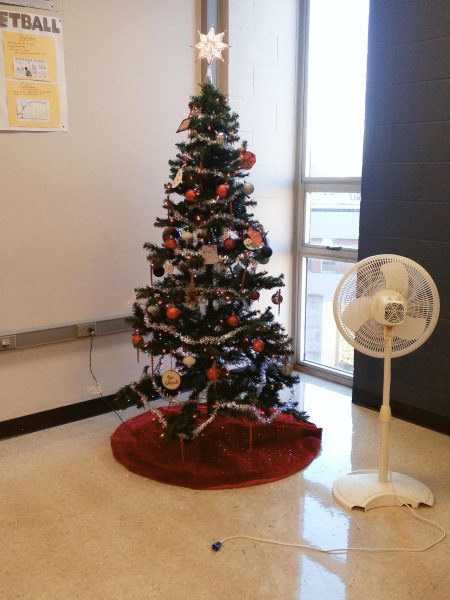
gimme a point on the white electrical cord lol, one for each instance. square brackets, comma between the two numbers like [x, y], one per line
[217, 545]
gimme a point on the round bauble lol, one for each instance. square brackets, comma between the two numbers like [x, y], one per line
[266, 251]
[213, 373]
[153, 309]
[173, 312]
[247, 160]
[158, 271]
[229, 244]
[170, 244]
[187, 236]
[233, 321]
[258, 345]
[263, 260]
[222, 190]
[190, 195]
[221, 138]
[170, 232]
[277, 298]
[254, 295]
[286, 369]
[248, 188]
[189, 361]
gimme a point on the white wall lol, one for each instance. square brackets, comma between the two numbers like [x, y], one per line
[76, 207]
[262, 86]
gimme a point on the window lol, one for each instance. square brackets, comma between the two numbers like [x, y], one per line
[334, 64]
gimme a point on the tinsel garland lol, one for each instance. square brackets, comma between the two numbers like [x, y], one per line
[218, 406]
[218, 217]
[207, 339]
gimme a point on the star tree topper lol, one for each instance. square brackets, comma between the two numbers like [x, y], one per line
[210, 45]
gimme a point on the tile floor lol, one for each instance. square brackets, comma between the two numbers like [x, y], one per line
[76, 525]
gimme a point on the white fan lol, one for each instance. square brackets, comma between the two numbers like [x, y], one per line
[384, 306]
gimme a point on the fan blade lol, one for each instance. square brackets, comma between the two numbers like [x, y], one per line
[357, 313]
[396, 277]
[411, 329]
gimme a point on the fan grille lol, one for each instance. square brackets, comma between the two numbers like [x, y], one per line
[366, 278]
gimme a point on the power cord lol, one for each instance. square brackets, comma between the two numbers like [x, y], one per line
[217, 545]
[107, 402]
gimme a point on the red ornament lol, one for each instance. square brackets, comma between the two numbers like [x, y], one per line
[258, 345]
[254, 295]
[247, 159]
[233, 321]
[229, 244]
[172, 312]
[190, 195]
[170, 243]
[136, 339]
[222, 190]
[169, 232]
[213, 373]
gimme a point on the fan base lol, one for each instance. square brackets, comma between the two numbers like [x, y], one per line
[362, 488]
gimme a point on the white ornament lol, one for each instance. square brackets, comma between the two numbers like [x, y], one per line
[210, 45]
[178, 178]
[189, 360]
[187, 236]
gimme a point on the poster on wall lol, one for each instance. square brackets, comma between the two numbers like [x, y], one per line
[45, 4]
[32, 78]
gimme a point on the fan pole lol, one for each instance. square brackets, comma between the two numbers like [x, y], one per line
[385, 411]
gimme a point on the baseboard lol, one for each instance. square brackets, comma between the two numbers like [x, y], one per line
[406, 412]
[55, 417]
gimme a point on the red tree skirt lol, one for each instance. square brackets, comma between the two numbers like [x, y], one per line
[228, 453]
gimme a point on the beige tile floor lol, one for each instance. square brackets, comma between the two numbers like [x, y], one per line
[76, 525]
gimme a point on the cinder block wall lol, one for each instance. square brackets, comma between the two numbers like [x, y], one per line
[405, 206]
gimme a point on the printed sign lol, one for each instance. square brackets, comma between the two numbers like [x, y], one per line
[33, 94]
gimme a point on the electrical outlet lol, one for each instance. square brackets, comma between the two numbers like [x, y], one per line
[85, 329]
[8, 342]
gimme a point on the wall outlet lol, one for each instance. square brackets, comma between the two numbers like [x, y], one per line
[7, 342]
[85, 329]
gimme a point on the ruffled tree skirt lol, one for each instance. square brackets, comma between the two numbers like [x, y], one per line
[230, 452]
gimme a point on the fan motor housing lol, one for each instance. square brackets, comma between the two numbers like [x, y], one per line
[389, 307]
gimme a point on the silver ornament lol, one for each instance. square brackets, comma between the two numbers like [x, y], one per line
[221, 138]
[248, 188]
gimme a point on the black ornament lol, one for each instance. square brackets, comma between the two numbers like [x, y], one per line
[158, 271]
[266, 251]
[216, 546]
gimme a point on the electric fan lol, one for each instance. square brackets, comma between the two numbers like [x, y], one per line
[384, 306]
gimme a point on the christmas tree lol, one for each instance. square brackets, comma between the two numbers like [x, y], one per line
[198, 319]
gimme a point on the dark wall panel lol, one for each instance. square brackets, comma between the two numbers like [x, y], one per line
[405, 206]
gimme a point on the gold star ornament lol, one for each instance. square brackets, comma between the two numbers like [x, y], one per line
[210, 45]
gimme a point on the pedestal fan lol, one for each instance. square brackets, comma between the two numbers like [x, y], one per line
[384, 306]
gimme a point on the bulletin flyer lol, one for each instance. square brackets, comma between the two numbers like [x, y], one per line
[32, 78]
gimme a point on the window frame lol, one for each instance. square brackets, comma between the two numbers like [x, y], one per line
[304, 249]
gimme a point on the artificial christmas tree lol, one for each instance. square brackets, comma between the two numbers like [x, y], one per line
[211, 350]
